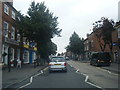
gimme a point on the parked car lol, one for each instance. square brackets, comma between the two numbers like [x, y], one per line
[100, 59]
[57, 63]
[67, 58]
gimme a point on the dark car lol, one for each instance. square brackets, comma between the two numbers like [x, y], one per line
[100, 59]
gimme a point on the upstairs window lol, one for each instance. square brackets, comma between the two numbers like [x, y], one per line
[6, 9]
[13, 33]
[5, 27]
[13, 15]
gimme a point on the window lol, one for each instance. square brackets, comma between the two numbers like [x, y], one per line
[13, 33]
[26, 56]
[119, 32]
[5, 26]
[12, 54]
[13, 15]
[18, 37]
[6, 9]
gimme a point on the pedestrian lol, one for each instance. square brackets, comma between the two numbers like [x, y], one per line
[18, 63]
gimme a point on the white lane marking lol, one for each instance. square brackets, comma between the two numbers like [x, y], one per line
[77, 70]
[31, 79]
[107, 71]
[86, 80]
[45, 69]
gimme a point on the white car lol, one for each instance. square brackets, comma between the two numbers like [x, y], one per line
[57, 63]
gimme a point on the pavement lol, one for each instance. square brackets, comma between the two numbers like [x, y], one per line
[114, 67]
[17, 75]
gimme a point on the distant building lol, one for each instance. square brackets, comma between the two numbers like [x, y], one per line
[119, 11]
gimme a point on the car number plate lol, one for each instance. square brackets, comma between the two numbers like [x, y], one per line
[57, 64]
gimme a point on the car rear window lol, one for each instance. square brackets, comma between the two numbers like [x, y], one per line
[58, 59]
[103, 56]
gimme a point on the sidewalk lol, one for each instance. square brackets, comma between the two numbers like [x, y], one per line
[114, 67]
[18, 74]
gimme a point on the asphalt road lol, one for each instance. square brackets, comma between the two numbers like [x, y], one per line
[58, 79]
[98, 76]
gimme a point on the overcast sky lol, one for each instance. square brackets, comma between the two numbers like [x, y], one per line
[74, 15]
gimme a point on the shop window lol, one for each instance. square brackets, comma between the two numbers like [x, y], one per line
[18, 37]
[12, 54]
[26, 56]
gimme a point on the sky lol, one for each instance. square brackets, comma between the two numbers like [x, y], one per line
[74, 15]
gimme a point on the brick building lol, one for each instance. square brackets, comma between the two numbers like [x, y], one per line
[13, 48]
[10, 35]
[92, 45]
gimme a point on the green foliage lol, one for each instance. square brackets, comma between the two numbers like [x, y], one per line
[48, 49]
[40, 26]
[76, 44]
[41, 23]
[105, 27]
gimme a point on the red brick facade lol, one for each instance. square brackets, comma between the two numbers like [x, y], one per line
[92, 44]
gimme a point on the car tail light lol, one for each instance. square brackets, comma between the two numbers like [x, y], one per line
[65, 64]
[50, 64]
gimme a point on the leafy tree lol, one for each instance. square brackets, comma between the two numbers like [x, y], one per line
[39, 26]
[103, 29]
[76, 45]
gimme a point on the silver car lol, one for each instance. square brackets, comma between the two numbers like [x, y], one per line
[57, 63]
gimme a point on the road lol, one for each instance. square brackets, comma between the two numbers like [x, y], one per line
[97, 75]
[79, 75]
[58, 79]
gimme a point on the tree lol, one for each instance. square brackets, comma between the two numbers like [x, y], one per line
[40, 26]
[76, 45]
[103, 30]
